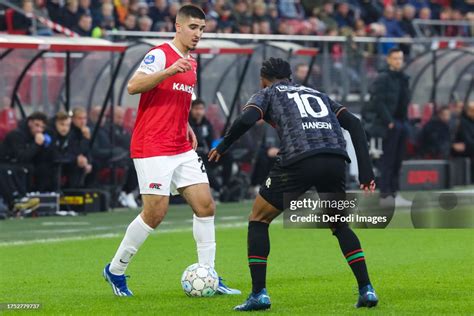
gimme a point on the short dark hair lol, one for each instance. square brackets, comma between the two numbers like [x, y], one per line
[197, 102]
[394, 50]
[38, 116]
[442, 109]
[193, 11]
[275, 68]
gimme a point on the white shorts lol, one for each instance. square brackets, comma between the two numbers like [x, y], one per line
[162, 175]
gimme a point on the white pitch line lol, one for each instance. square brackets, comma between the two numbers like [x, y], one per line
[65, 223]
[114, 235]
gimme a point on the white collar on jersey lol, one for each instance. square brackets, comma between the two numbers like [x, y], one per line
[170, 43]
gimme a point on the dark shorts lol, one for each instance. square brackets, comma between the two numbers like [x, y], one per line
[325, 172]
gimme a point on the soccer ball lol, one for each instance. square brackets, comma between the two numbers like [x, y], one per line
[199, 280]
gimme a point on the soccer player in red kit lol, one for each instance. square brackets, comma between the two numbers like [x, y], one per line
[163, 148]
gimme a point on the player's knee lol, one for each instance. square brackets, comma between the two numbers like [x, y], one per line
[207, 209]
[153, 219]
[260, 217]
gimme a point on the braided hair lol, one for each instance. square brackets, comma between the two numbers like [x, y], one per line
[275, 68]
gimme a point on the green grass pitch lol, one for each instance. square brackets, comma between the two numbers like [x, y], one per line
[58, 262]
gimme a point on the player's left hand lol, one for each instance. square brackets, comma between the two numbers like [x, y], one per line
[368, 187]
[214, 155]
[192, 137]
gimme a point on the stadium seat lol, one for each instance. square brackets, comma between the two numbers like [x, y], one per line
[427, 113]
[9, 21]
[414, 113]
[8, 121]
[129, 119]
[104, 176]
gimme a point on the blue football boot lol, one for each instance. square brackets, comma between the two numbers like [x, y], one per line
[367, 297]
[255, 302]
[118, 282]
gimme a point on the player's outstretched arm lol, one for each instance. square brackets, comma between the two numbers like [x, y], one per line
[241, 125]
[142, 82]
[352, 124]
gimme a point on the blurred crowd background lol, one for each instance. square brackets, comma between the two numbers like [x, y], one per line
[378, 18]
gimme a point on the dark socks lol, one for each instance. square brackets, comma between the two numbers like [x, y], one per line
[353, 253]
[258, 250]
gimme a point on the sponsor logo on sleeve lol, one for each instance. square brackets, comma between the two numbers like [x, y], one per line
[149, 59]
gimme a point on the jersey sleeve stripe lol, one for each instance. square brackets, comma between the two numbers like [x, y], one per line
[340, 110]
[254, 106]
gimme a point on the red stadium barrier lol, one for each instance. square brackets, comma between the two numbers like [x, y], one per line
[9, 22]
[8, 121]
[427, 113]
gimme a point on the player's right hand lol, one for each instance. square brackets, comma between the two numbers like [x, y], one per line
[181, 65]
[214, 155]
[370, 187]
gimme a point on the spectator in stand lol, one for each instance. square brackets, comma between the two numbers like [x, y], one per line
[226, 23]
[344, 17]
[130, 23]
[18, 153]
[460, 30]
[426, 30]
[121, 10]
[143, 10]
[436, 8]
[84, 27]
[372, 10]
[84, 7]
[326, 15]
[241, 11]
[211, 25]
[360, 29]
[457, 109]
[262, 27]
[406, 24]
[273, 18]
[145, 24]
[418, 4]
[54, 8]
[107, 12]
[159, 11]
[464, 142]
[392, 26]
[259, 12]
[70, 14]
[80, 136]
[246, 27]
[292, 10]
[463, 6]
[435, 138]
[23, 22]
[60, 158]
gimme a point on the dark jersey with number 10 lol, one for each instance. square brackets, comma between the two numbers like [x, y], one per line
[305, 120]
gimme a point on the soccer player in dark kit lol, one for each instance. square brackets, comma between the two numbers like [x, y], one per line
[312, 153]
